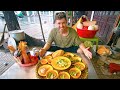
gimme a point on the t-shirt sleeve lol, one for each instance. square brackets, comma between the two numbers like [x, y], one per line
[50, 38]
[77, 40]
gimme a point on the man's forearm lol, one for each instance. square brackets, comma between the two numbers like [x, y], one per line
[46, 46]
[82, 47]
[85, 51]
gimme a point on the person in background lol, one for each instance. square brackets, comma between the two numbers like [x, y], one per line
[64, 38]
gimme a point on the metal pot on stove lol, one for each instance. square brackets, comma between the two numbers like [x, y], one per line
[18, 35]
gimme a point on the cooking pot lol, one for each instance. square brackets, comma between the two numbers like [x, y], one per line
[18, 35]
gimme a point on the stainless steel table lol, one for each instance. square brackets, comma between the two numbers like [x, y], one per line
[18, 72]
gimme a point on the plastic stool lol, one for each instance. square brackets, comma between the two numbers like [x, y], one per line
[95, 39]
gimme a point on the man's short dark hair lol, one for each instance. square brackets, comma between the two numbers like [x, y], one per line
[60, 15]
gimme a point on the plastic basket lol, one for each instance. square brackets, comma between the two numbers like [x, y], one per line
[25, 65]
[86, 33]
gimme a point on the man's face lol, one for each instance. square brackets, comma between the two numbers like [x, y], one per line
[61, 24]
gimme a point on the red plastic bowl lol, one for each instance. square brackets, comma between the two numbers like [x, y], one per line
[26, 65]
[86, 33]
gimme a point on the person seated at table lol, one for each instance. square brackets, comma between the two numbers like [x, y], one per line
[64, 37]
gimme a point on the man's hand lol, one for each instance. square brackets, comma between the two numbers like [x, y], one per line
[44, 49]
[87, 53]
[42, 52]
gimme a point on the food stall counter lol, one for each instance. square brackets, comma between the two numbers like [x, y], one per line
[18, 72]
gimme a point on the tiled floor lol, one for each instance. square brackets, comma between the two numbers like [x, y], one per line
[6, 60]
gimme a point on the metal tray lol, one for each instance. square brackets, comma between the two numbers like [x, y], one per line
[84, 73]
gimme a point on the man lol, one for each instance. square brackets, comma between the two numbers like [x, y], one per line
[64, 37]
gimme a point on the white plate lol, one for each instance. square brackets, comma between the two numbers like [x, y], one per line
[11, 42]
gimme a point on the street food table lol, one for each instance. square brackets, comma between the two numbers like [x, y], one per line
[18, 72]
